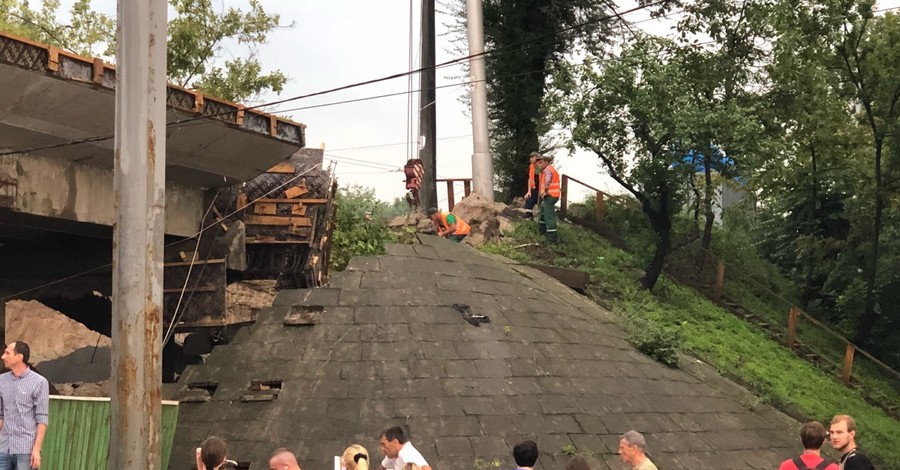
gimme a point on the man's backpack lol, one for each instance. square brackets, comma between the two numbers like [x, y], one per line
[801, 465]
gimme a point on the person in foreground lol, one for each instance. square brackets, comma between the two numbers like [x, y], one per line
[283, 459]
[211, 454]
[355, 457]
[398, 451]
[632, 449]
[843, 439]
[812, 435]
[525, 454]
[24, 410]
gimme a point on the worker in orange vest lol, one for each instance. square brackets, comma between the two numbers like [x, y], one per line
[449, 225]
[534, 175]
[549, 190]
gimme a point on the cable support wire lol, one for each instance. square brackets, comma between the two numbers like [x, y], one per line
[518, 46]
[176, 315]
[527, 44]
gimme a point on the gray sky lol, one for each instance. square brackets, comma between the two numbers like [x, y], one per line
[339, 42]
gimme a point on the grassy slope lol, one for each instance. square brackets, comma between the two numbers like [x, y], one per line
[712, 334]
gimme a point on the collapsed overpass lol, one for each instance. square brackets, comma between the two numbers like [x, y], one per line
[57, 118]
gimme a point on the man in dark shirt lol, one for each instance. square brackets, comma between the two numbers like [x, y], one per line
[843, 439]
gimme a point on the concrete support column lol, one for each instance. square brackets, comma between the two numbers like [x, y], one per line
[482, 166]
[140, 159]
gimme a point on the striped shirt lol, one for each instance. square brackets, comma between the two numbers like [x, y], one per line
[24, 403]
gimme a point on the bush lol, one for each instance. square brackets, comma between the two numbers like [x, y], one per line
[659, 341]
[360, 228]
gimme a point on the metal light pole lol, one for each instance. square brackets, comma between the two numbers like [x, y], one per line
[140, 160]
[482, 166]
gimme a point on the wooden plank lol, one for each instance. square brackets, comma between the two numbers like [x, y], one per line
[720, 272]
[600, 208]
[298, 209]
[188, 263]
[277, 242]
[848, 363]
[294, 201]
[264, 208]
[276, 220]
[792, 327]
[577, 280]
[294, 192]
[283, 167]
[195, 289]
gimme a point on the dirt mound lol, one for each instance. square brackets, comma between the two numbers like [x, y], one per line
[475, 209]
[245, 298]
[84, 389]
[50, 334]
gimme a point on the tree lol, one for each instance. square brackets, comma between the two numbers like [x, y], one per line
[636, 114]
[526, 40]
[196, 37]
[728, 76]
[835, 100]
[88, 33]
[869, 59]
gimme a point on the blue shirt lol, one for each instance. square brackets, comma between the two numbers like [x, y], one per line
[24, 403]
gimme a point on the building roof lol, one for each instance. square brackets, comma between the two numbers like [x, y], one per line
[390, 349]
[49, 96]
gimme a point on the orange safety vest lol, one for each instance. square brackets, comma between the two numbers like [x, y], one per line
[462, 228]
[553, 190]
[531, 176]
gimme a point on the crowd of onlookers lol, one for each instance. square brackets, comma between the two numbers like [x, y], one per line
[24, 410]
[400, 454]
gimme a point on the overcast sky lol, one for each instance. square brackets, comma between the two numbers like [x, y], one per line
[340, 42]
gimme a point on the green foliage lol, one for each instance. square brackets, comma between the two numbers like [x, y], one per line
[711, 333]
[360, 228]
[827, 186]
[481, 464]
[657, 341]
[535, 36]
[569, 449]
[196, 36]
[88, 32]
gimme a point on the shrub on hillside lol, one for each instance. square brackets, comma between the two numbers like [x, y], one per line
[360, 228]
[654, 339]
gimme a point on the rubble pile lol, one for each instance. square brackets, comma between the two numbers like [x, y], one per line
[489, 220]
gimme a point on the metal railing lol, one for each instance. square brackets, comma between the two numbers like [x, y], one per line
[451, 196]
[599, 202]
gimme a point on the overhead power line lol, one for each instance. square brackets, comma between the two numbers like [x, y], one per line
[530, 42]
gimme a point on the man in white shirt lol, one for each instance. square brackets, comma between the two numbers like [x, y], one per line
[632, 449]
[398, 451]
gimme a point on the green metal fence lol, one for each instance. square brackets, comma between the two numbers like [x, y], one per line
[78, 435]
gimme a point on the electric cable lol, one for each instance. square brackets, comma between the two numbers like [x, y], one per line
[528, 43]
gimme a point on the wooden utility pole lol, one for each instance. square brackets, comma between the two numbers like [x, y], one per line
[140, 162]
[428, 109]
